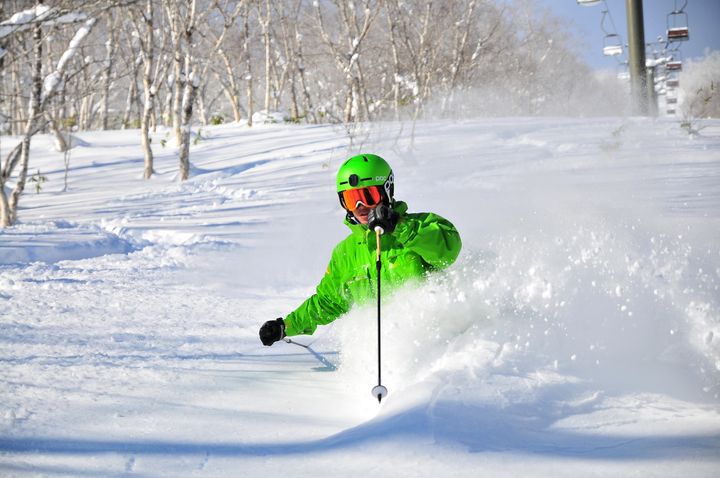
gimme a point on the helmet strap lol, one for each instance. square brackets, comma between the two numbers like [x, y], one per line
[389, 188]
[351, 218]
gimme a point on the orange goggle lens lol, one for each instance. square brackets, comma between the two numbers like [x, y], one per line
[370, 197]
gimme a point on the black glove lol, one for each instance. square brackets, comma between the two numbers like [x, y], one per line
[272, 331]
[383, 216]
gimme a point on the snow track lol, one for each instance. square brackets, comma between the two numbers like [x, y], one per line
[577, 335]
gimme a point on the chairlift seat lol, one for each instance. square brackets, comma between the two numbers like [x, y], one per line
[588, 3]
[677, 26]
[678, 34]
[612, 50]
[672, 82]
[674, 65]
[612, 45]
[671, 112]
[671, 100]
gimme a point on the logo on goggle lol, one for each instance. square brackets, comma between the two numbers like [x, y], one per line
[380, 178]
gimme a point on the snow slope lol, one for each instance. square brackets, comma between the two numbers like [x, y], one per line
[577, 335]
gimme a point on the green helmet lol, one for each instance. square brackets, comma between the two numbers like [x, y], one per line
[366, 170]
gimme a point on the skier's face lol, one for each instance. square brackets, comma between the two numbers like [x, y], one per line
[361, 213]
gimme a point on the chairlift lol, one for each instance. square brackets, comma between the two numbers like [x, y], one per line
[674, 65]
[671, 100]
[671, 111]
[672, 82]
[675, 62]
[588, 3]
[612, 45]
[677, 25]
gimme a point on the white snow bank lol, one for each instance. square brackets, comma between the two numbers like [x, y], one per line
[269, 117]
[55, 241]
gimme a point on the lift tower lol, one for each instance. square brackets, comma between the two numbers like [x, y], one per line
[636, 58]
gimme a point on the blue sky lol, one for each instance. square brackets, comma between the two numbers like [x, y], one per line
[703, 22]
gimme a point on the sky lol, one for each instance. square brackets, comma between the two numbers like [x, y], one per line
[703, 21]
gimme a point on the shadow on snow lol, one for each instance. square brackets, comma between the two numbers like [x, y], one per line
[447, 423]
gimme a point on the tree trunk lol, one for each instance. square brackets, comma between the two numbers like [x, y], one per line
[202, 110]
[266, 38]
[192, 84]
[148, 57]
[148, 106]
[16, 102]
[349, 101]
[132, 92]
[61, 142]
[11, 161]
[178, 80]
[167, 106]
[83, 120]
[392, 27]
[4, 206]
[231, 89]
[178, 87]
[109, 55]
[189, 95]
[303, 82]
[248, 64]
[33, 112]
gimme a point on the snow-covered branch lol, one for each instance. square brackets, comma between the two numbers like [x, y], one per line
[53, 81]
[40, 14]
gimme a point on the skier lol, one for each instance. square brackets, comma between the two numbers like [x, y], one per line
[412, 245]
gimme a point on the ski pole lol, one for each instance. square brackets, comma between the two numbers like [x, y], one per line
[328, 365]
[379, 391]
[296, 343]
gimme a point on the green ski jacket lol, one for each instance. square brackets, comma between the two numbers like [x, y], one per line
[421, 242]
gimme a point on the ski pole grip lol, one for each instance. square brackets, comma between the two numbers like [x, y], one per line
[378, 230]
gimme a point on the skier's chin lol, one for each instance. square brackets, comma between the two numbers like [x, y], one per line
[361, 214]
[362, 219]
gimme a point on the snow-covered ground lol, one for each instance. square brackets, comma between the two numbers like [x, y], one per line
[577, 335]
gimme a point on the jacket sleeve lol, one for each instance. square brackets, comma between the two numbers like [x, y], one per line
[430, 236]
[325, 305]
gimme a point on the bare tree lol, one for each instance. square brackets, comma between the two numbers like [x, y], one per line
[461, 39]
[226, 73]
[264, 19]
[300, 64]
[144, 23]
[229, 16]
[41, 92]
[355, 27]
[183, 18]
[700, 85]
[110, 48]
[248, 63]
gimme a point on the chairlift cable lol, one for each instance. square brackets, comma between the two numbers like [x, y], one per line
[682, 9]
[618, 49]
[677, 24]
[609, 14]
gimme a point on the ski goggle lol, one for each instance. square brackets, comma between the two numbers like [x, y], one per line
[370, 196]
